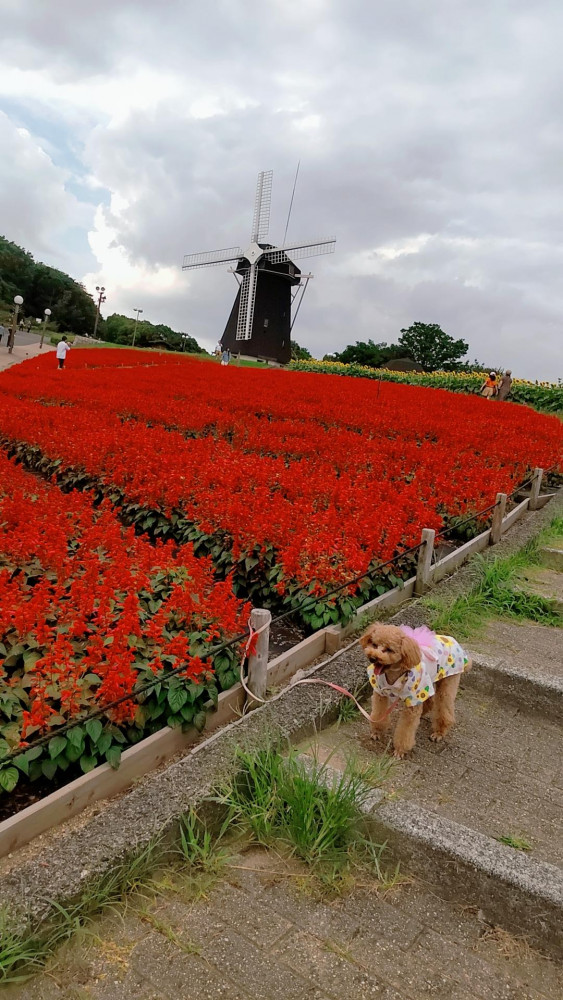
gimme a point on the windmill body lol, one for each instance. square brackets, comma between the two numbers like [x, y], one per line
[260, 322]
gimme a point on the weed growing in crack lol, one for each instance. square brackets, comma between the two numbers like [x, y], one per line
[307, 810]
[499, 592]
[519, 843]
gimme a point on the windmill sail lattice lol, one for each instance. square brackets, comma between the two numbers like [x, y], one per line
[259, 265]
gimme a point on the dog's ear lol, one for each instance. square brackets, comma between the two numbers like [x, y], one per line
[365, 639]
[410, 652]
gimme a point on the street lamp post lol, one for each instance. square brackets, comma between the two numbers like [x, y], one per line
[101, 298]
[135, 327]
[45, 321]
[18, 301]
[184, 336]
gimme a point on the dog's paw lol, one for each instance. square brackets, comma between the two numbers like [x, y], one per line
[437, 737]
[399, 754]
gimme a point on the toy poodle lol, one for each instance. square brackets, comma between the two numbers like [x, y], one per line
[417, 668]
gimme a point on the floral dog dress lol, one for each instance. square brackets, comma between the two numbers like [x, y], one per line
[441, 657]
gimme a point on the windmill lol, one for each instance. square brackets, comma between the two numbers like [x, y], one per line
[260, 323]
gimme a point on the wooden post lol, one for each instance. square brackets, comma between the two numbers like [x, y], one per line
[258, 661]
[333, 639]
[498, 514]
[535, 490]
[424, 561]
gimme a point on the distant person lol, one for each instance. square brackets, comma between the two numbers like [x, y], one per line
[22, 324]
[505, 385]
[218, 351]
[3, 330]
[225, 357]
[62, 350]
[489, 388]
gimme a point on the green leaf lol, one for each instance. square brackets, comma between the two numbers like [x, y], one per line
[173, 721]
[9, 778]
[104, 743]
[94, 729]
[199, 721]
[87, 763]
[75, 736]
[93, 680]
[177, 698]
[49, 768]
[4, 749]
[22, 762]
[113, 757]
[33, 753]
[74, 752]
[56, 746]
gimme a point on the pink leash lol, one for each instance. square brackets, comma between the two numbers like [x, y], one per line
[251, 645]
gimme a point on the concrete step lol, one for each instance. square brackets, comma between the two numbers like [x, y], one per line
[511, 889]
[521, 664]
[544, 582]
[552, 557]
[498, 775]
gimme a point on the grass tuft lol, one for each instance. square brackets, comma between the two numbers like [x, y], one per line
[305, 808]
[498, 593]
[519, 843]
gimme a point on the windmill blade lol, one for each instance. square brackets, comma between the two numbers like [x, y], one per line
[261, 218]
[246, 304]
[294, 251]
[211, 257]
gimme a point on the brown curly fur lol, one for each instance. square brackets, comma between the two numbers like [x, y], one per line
[394, 654]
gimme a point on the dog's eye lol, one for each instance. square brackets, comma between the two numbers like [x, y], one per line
[387, 650]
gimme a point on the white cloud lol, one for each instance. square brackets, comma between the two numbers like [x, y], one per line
[35, 207]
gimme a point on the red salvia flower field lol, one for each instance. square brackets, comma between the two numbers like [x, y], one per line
[145, 497]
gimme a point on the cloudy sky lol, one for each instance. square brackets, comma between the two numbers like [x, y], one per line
[430, 138]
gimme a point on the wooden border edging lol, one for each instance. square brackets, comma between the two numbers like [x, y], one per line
[103, 782]
[515, 514]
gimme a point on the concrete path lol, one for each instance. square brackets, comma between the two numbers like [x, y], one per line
[24, 348]
[499, 770]
[261, 934]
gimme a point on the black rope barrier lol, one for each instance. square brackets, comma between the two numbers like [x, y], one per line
[305, 605]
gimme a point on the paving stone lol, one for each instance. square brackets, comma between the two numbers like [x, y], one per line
[436, 967]
[469, 969]
[132, 988]
[331, 968]
[379, 919]
[321, 919]
[166, 967]
[261, 976]
[195, 923]
[229, 905]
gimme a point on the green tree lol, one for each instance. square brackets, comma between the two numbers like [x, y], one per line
[119, 330]
[44, 287]
[430, 347]
[299, 353]
[367, 353]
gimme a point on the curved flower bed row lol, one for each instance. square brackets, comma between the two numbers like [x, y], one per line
[88, 612]
[546, 396]
[147, 493]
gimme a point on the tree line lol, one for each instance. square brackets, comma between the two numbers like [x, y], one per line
[43, 287]
[119, 329]
[425, 344]
[73, 309]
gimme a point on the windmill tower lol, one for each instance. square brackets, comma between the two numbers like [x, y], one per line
[260, 323]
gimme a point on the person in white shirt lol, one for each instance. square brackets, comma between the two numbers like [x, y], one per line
[62, 350]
